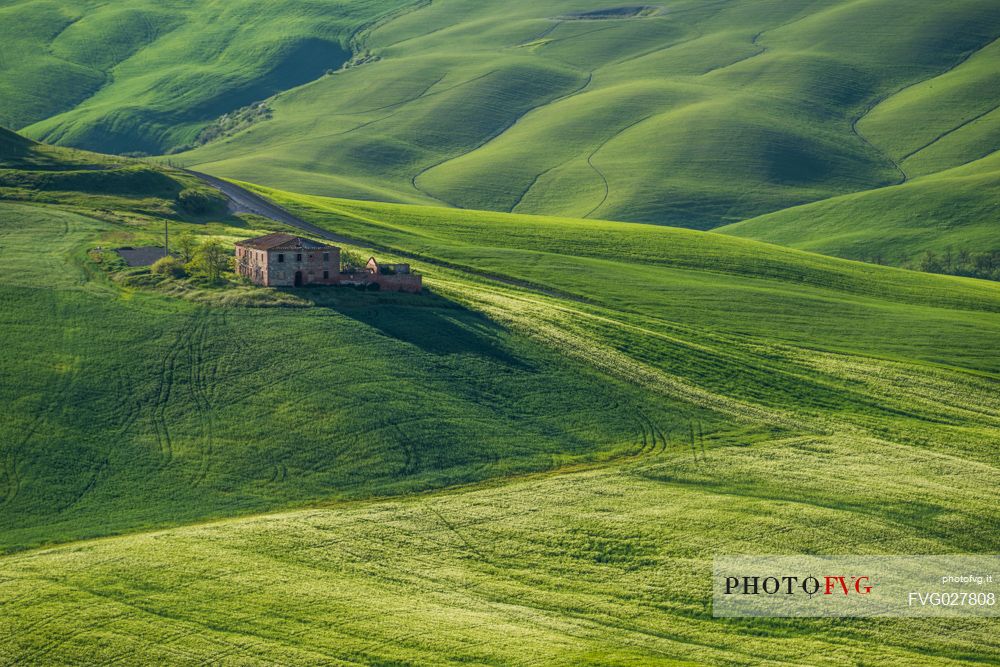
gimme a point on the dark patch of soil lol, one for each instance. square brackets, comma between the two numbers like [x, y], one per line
[141, 256]
[627, 12]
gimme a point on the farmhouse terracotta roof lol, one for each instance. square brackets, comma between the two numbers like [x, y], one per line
[281, 241]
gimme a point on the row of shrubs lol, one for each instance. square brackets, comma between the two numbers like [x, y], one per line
[985, 265]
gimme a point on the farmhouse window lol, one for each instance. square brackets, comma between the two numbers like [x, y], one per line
[298, 257]
[326, 257]
[281, 257]
[326, 274]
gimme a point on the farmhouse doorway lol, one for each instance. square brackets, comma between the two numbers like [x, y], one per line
[298, 279]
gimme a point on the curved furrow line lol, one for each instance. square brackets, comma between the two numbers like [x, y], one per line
[542, 35]
[882, 98]
[534, 181]
[424, 93]
[362, 36]
[950, 132]
[494, 135]
[903, 177]
[699, 34]
[604, 179]
[753, 42]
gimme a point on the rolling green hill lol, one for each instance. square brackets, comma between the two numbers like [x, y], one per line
[147, 76]
[691, 113]
[94, 183]
[956, 209]
[595, 567]
[696, 116]
[620, 397]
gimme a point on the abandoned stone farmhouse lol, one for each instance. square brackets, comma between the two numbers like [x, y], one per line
[284, 260]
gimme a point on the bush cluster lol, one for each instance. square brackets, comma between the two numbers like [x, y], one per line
[208, 260]
[234, 121]
[199, 202]
[169, 267]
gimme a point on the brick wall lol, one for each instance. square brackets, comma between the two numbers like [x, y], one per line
[316, 267]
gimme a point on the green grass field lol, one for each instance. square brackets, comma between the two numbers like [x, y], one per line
[535, 460]
[616, 403]
[593, 567]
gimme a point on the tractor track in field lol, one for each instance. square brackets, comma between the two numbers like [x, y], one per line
[659, 442]
[454, 531]
[198, 388]
[12, 481]
[101, 469]
[411, 453]
[169, 374]
[130, 410]
[54, 395]
[164, 388]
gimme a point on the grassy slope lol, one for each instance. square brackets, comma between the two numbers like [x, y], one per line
[146, 76]
[943, 133]
[956, 208]
[686, 366]
[701, 115]
[127, 408]
[89, 182]
[596, 567]
[686, 277]
[944, 121]
[135, 409]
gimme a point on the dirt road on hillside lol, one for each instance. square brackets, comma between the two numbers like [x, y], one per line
[242, 200]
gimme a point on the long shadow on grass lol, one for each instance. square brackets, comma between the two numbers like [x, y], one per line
[428, 321]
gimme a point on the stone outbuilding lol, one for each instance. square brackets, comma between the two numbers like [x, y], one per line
[284, 260]
[394, 277]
